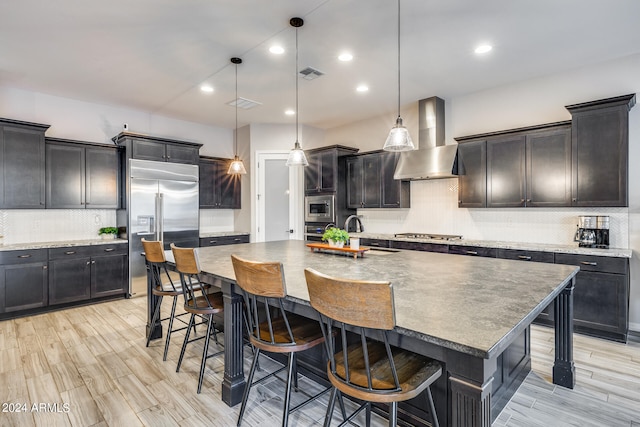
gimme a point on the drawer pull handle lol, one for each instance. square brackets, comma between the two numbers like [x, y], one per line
[589, 263]
[213, 242]
[24, 256]
[472, 252]
[237, 240]
[109, 250]
[524, 257]
[70, 252]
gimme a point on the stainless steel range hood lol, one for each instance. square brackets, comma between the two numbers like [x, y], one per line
[433, 159]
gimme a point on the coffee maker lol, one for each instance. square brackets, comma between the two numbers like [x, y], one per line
[593, 232]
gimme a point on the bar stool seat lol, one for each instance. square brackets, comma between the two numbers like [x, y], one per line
[198, 302]
[368, 368]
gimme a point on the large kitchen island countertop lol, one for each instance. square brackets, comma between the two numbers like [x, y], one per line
[542, 247]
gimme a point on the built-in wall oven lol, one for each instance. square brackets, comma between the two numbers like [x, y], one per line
[320, 208]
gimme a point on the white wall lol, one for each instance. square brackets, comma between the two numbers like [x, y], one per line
[536, 101]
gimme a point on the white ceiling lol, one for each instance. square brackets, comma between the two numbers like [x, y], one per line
[153, 55]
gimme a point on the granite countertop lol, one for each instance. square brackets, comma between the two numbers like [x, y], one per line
[542, 247]
[470, 304]
[61, 244]
[204, 235]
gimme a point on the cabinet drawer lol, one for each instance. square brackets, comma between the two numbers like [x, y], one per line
[70, 252]
[419, 246]
[521, 255]
[23, 257]
[595, 263]
[378, 243]
[224, 240]
[112, 249]
[473, 251]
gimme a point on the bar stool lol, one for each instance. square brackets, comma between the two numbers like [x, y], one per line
[197, 302]
[369, 370]
[162, 286]
[272, 329]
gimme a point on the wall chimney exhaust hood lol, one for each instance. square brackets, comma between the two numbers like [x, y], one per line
[433, 159]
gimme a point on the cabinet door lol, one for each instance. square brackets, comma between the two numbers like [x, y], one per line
[148, 150]
[600, 303]
[371, 181]
[229, 188]
[69, 280]
[600, 157]
[23, 168]
[312, 173]
[65, 176]
[506, 172]
[23, 286]
[472, 179]
[549, 168]
[354, 182]
[177, 153]
[108, 275]
[207, 171]
[395, 193]
[101, 172]
[328, 170]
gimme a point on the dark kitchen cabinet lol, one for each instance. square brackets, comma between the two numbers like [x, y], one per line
[395, 193]
[506, 171]
[377, 243]
[109, 270]
[523, 255]
[473, 251]
[144, 147]
[322, 173]
[22, 165]
[218, 189]
[600, 151]
[363, 181]
[419, 246]
[548, 167]
[472, 170]
[82, 176]
[224, 240]
[23, 280]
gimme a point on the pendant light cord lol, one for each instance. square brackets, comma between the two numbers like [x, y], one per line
[235, 139]
[296, 75]
[398, 58]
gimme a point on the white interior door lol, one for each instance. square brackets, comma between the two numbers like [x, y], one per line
[279, 200]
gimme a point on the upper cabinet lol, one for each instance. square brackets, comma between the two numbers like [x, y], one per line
[600, 157]
[22, 165]
[322, 174]
[80, 175]
[143, 147]
[370, 182]
[218, 189]
[505, 171]
[472, 170]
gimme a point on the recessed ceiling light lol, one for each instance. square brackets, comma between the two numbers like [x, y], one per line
[278, 50]
[345, 57]
[290, 112]
[362, 88]
[483, 48]
[206, 88]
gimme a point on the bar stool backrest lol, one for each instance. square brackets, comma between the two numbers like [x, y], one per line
[361, 307]
[263, 288]
[188, 267]
[154, 255]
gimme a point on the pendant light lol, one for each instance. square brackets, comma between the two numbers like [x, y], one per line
[297, 156]
[237, 166]
[399, 138]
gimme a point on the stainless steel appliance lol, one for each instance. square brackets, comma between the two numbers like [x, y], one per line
[162, 204]
[314, 232]
[429, 236]
[593, 232]
[320, 208]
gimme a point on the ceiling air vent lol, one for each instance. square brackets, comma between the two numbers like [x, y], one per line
[310, 73]
[245, 104]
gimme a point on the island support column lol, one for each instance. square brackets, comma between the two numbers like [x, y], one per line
[233, 383]
[564, 371]
[470, 403]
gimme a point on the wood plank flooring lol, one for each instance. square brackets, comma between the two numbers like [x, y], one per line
[89, 366]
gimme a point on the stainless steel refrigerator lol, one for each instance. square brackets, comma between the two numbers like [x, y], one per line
[162, 204]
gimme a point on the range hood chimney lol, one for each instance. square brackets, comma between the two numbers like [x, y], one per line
[433, 159]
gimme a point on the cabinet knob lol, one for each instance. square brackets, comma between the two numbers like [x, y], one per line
[528, 200]
[574, 200]
[44, 267]
[93, 262]
[88, 262]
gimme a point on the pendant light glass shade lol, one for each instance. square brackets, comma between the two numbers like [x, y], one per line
[237, 166]
[297, 156]
[399, 138]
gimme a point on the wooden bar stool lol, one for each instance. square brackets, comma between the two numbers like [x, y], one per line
[369, 369]
[272, 329]
[162, 286]
[197, 302]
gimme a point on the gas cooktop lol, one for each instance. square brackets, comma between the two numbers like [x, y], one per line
[429, 236]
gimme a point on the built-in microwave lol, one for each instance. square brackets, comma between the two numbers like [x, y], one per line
[320, 208]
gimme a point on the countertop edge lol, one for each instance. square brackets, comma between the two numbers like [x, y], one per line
[60, 244]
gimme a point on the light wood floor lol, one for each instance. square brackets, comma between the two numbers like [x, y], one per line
[91, 366]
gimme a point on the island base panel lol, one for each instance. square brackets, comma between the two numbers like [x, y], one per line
[233, 383]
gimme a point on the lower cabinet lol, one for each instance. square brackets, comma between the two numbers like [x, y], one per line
[224, 240]
[378, 243]
[23, 280]
[85, 272]
[473, 251]
[419, 246]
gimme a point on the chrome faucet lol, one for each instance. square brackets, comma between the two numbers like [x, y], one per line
[359, 226]
[328, 226]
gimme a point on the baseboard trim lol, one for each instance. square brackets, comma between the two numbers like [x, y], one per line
[633, 336]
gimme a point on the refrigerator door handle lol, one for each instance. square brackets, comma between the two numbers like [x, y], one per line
[160, 216]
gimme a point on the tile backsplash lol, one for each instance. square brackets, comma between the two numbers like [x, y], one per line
[213, 220]
[53, 225]
[434, 209]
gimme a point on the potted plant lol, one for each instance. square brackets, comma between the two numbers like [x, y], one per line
[336, 237]
[108, 232]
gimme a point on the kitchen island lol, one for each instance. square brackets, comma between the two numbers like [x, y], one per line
[472, 314]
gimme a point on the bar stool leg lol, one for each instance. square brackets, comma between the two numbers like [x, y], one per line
[184, 344]
[330, 406]
[170, 330]
[287, 393]
[432, 408]
[368, 416]
[156, 313]
[247, 388]
[203, 364]
[393, 414]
